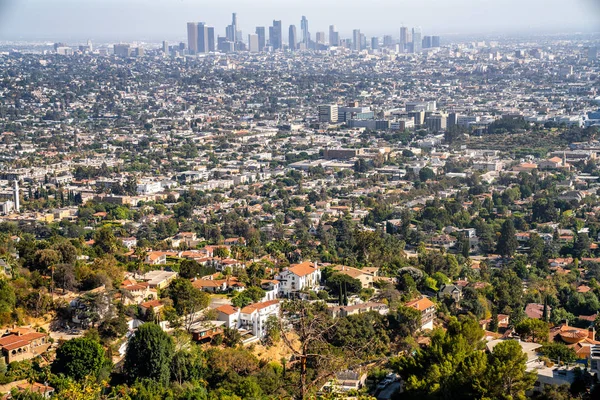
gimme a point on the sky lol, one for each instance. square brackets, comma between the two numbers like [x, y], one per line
[130, 20]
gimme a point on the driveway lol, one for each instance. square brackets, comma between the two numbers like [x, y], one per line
[389, 390]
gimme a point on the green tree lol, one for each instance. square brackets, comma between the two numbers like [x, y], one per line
[426, 174]
[149, 354]
[187, 300]
[507, 376]
[507, 243]
[8, 298]
[536, 329]
[78, 358]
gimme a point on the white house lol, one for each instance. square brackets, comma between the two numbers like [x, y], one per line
[254, 316]
[228, 314]
[298, 277]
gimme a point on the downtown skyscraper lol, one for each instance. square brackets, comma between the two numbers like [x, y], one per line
[293, 38]
[276, 35]
[305, 31]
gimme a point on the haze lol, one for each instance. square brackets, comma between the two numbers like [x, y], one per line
[165, 19]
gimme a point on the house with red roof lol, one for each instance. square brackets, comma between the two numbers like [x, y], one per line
[23, 344]
[427, 309]
[298, 277]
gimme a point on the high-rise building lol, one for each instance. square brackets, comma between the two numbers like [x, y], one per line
[253, 43]
[202, 38]
[328, 113]
[210, 37]
[16, 199]
[426, 42]
[388, 41]
[262, 41]
[435, 41]
[375, 43]
[122, 50]
[234, 26]
[293, 38]
[192, 33]
[305, 32]
[416, 40]
[334, 36]
[356, 40]
[403, 38]
[165, 47]
[275, 35]
[320, 37]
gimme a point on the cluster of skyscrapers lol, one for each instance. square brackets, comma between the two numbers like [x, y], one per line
[201, 39]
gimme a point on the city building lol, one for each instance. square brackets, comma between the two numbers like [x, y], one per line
[192, 34]
[253, 46]
[262, 39]
[356, 40]
[293, 38]
[305, 31]
[328, 113]
[275, 35]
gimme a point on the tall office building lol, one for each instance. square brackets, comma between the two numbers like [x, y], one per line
[320, 37]
[356, 40]
[388, 41]
[416, 40]
[262, 38]
[293, 38]
[375, 43]
[122, 50]
[275, 35]
[426, 42]
[328, 113]
[304, 29]
[435, 41]
[234, 26]
[403, 38]
[210, 37]
[202, 38]
[253, 43]
[334, 36]
[165, 47]
[192, 33]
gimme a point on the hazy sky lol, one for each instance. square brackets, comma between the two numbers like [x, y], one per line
[157, 19]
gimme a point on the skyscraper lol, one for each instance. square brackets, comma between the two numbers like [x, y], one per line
[375, 43]
[234, 27]
[192, 33]
[305, 32]
[210, 35]
[426, 42]
[260, 31]
[165, 47]
[202, 40]
[416, 40]
[253, 43]
[293, 38]
[435, 41]
[403, 38]
[334, 37]
[275, 35]
[320, 37]
[356, 40]
[388, 41]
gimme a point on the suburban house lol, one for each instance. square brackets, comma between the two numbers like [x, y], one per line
[445, 241]
[254, 316]
[155, 305]
[211, 284]
[365, 278]
[44, 391]
[136, 292]
[229, 314]
[188, 239]
[298, 277]
[239, 241]
[159, 279]
[453, 291]
[205, 331]
[23, 344]
[427, 309]
[271, 288]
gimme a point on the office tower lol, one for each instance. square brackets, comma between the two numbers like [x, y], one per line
[165, 47]
[224, 45]
[293, 38]
[363, 41]
[90, 46]
[356, 40]
[320, 37]
[122, 50]
[16, 199]
[192, 33]
[234, 27]
[253, 43]
[210, 34]
[202, 40]
[435, 41]
[416, 40]
[375, 43]
[334, 36]
[388, 41]
[275, 35]
[426, 42]
[304, 29]
[403, 38]
[328, 113]
[262, 42]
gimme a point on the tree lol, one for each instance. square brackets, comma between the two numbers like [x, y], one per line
[507, 243]
[536, 329]
[187, 300]
[113, 328]
[507, 376]
[149, 354]
[426, 174]
[559, 351]
[78, 358]
[8, 298]
[105, 240]
[64, 277]
[339, 282]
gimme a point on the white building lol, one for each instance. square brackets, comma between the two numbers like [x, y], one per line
[252, 318]
[298, 277]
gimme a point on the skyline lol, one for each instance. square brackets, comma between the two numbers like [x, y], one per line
[162, 19]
